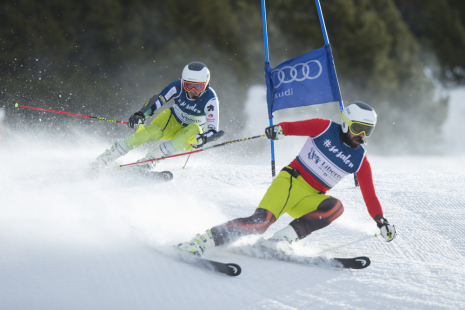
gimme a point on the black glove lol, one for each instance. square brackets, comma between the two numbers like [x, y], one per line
[136, 119]
[274, 132]
[388, 231]
[201, 140]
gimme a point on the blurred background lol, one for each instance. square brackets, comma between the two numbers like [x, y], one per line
[107, 57]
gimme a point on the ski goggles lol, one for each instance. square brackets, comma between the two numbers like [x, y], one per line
[357, 128]
[197, 86]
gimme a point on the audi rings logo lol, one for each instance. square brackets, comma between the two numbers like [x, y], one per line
[306, 74]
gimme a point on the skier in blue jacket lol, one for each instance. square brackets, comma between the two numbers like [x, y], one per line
[191, 122]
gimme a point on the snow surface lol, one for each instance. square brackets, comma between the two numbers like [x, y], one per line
[70, 242]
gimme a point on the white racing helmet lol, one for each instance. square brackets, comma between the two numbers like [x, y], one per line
[358, 117]
[195, 76]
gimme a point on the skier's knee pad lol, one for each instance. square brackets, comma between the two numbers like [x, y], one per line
[257, 223]
[328, 204]
[327, 211]
[262, 218]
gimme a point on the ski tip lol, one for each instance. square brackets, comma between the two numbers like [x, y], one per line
[361, 262]
[165, 176]
[234, 270]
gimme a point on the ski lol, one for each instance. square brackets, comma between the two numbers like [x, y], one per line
[331, 262]
[360, 262]
[157, 176]
[229, 269]
[163, 176]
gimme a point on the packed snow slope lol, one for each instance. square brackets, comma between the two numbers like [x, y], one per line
[68, 241]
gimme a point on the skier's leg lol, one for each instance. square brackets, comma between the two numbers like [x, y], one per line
[283, 194]
[180, 140]
[300, 199]
[256, 224]
[179, 136]
[326, 212]
[313, 212]
[152, 132]
[117, 150]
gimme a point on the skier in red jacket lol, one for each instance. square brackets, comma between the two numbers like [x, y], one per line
[331, 152]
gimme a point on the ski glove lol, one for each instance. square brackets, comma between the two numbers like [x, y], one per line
[388, 231]
[274, 132]
[206, 137]
[136, 119]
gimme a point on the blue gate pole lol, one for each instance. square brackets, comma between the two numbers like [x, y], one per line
[325, 35]
[265, 41]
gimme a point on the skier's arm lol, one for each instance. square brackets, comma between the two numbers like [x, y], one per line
[212, 113]
[157, 101]
[312, 127]
[365, 180]
[211, 133]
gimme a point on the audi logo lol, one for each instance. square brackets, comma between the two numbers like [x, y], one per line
[293, 72]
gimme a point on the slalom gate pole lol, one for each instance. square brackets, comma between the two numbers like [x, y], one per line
[68, 113]
[267, 59]
[192, 152]
[325, 35]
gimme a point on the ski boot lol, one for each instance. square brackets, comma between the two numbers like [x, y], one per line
[117, 150]
[281, 241]
[199, 244]
[146, 168]
[157, 153]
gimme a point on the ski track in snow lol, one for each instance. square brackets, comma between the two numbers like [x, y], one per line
[70, 242]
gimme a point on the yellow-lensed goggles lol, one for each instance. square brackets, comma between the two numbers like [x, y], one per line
[358, 128]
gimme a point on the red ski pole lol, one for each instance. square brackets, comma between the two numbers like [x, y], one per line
[192, 152]
[187, 160]
[68, 113]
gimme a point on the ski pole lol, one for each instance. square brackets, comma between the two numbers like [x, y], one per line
[187, 160]
[192, 152]
[68, 113]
